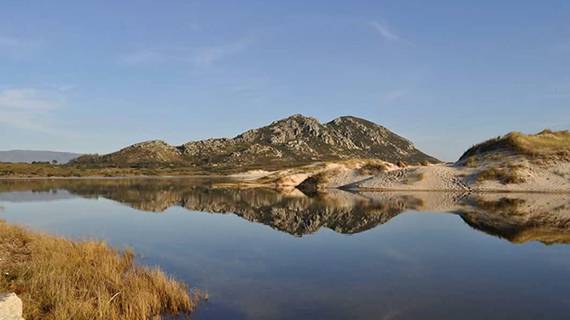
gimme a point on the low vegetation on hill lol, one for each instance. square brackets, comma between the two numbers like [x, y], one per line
[545, 144]
[60, 279]
[516, 158]
[509, 174]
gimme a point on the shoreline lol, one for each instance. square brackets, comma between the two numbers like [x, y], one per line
[462, 191]
[115, 177]
[231, 181]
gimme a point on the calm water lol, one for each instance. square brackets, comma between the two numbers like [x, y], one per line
[264, 254]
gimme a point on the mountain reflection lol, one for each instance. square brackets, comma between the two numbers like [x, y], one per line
[515, 217]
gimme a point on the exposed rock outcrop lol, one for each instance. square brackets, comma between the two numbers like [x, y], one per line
[11, 307]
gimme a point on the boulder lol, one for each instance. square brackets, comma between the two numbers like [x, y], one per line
[10, 307]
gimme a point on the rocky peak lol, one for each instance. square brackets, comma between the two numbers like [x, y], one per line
[295, 127]
[354, 123]
[284, 142]
[150, 144]
[349, 119]
[297, 119]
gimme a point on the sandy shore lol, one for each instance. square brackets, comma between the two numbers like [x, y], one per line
[355, 175]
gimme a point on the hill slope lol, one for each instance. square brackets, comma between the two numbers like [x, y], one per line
[29, 156]
[294, 140]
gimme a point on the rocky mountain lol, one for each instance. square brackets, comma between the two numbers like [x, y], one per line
[28, 156]
[294, 140]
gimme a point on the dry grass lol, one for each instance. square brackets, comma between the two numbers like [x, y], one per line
[60, 279]
[471, 162]
[322, 178]
[372, 169]
[9, 170]
[545, 144]
[29, 170]
[505, 175]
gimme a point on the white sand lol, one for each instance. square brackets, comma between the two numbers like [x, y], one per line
[549, 177]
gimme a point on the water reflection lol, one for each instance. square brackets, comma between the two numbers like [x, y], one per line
[516, 217]
[408, 256]
[520, 218]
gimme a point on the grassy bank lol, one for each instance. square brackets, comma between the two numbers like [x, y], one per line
[60, 279]
[47, 170]
[29, 170]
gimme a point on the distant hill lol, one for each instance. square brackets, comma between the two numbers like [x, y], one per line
[29, 156]
[287, 142]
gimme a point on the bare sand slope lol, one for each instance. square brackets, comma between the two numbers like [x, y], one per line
[552, 178]
[518, 176]
[436, 177]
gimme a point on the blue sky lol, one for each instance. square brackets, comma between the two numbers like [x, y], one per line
[94, 76]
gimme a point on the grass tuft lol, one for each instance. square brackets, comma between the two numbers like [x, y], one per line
[505, 175]
[372, 169]
[60, 279]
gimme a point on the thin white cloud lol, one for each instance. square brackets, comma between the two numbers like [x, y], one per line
[27, 108]
[386, 33]
[392, 96]
[197, 56]
[383, 30]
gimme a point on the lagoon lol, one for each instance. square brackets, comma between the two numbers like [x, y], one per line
[283, 254]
